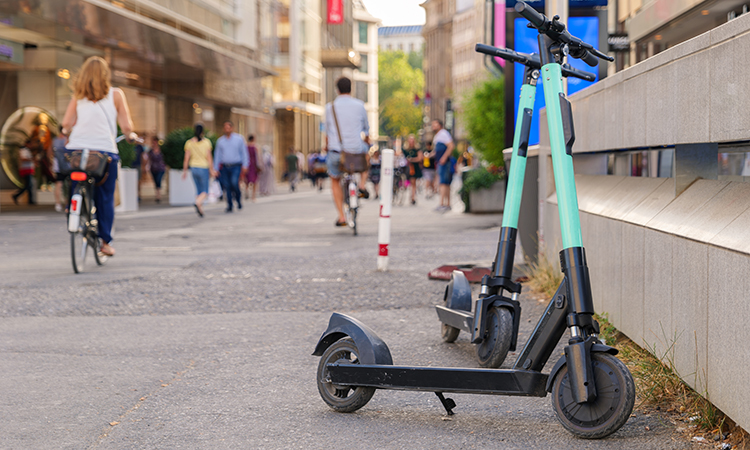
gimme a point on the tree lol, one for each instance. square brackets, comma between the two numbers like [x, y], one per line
[398, 83]
[484, 116]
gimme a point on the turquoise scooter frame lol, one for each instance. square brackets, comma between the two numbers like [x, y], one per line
[494, 322]
[592, 391]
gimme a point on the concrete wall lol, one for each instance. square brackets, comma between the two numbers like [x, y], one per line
[670, 265]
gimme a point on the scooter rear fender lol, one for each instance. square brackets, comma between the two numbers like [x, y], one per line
[561, 362]
[372, 349]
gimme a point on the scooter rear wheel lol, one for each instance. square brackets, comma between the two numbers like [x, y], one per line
[614, 402]
[493, 349]
[341, 398]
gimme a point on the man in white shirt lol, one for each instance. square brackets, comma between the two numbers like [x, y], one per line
[442, 144]
[346, 120]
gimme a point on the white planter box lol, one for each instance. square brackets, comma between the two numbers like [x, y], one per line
[181, 192]
[127, 183]
[490, 200]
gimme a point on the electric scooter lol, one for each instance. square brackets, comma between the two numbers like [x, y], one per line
[494, 323]
[592, 391]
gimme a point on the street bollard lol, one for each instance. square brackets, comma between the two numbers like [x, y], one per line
[386, 197]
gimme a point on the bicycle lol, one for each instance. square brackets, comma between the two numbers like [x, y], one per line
[351, 199]
[82, 221]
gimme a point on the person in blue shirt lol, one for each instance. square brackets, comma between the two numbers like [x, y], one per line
[231, 162]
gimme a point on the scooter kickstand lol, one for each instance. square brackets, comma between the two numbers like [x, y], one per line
[448, 403]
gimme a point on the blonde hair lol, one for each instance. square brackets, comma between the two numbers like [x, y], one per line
[93, 80]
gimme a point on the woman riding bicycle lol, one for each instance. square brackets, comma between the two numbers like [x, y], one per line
[91, 123]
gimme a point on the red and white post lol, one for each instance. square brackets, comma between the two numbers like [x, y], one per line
[386, 200]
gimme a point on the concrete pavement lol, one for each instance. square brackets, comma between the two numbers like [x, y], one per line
[198, 334]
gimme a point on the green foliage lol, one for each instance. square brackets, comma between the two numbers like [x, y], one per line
[173, 147]
[416, 59]
[126, 150]
[484, 116]
[479, 178]
[398, 82]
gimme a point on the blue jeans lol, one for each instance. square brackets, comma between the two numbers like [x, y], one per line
[445, 173]
[104, 198]
[230, 181]
[200, 177]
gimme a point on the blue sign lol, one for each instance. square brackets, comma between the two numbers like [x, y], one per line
[539, 4]
[585, 28]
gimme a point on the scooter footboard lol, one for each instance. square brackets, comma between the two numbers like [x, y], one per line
[372, 349]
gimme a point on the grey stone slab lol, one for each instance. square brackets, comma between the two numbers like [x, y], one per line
[657, 291]
[597, 122]
[728, 121]
[730, 29]
[728, 316]
[634, 113]
[628, 194]
[689, 119]
[736, 235]
[717, 214]
[690, 311]
[593, 191]
[632, 307]
[552, 236]
[613, 117]
[690, 202]
[603, 246]
[660, 105]
[583, 121]
[653, 204]
[683, 49]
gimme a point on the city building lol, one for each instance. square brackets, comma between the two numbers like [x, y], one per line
[194, 61]
[405, 38]
[468, 65]
[438, 58]
[351, 50]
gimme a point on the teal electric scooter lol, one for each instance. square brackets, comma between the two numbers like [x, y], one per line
[494, 322]
[592, 391]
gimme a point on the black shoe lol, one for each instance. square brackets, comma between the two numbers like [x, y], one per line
[341, 224]
[228, 210]
[15, 199]
[239, 205]
[414, 202]
[364, 194]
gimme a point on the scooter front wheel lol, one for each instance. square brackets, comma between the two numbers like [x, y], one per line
[615, 397]
[493, 349]
[341, 398]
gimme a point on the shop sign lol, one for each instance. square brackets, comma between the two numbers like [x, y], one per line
[618, 43]
[11, 52]
[335, 11]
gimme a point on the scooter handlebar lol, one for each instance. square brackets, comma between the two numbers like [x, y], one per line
[504, 53]
[537, 19]
[575, 73]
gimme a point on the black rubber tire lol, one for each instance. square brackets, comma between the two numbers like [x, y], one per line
[341, 398]
[491, 352]
[79, 242]
[99, 257]
[612, 407]
[354, 220]
[447, 332]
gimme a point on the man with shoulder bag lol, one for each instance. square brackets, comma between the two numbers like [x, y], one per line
[346, 124]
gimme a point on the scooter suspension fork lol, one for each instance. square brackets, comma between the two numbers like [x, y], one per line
[580, 320]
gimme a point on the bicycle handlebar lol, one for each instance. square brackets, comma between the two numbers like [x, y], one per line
[556, 31]
[531, 60]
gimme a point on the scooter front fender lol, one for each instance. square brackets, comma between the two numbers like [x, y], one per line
[372, 349]
[561, 362]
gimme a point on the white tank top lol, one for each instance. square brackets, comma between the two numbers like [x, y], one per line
[96, 125]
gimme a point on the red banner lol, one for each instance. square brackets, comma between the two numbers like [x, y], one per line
[335, 11]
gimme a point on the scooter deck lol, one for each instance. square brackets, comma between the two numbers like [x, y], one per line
[441, 379]
[463, 320]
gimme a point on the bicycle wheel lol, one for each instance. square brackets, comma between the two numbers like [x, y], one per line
[94, 240]
[79, 239]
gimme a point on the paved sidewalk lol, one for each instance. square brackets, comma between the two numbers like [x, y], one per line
[198, 334]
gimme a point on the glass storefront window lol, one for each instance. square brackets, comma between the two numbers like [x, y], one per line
[362, 32]
[363, 63]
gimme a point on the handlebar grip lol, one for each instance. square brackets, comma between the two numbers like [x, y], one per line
[589, 59]
[575, 73]
[537, 19]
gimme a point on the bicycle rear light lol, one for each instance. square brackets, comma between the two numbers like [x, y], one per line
[78, 176]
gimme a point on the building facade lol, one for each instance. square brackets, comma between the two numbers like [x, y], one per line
[438, 57]
[468, 65]
[196, 61]
[405, 38]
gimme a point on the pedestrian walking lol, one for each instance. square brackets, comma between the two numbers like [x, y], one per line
[139, 163]
[231, 162]
[428, 170]
[374, 173]
[254, 167]
[26, 169]
[198, 158]
[442, 143]
[267, 177]
[58, 147]
[414, 158]
[90, 122]
[292, 164]
[346, 122]
[156, 166]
